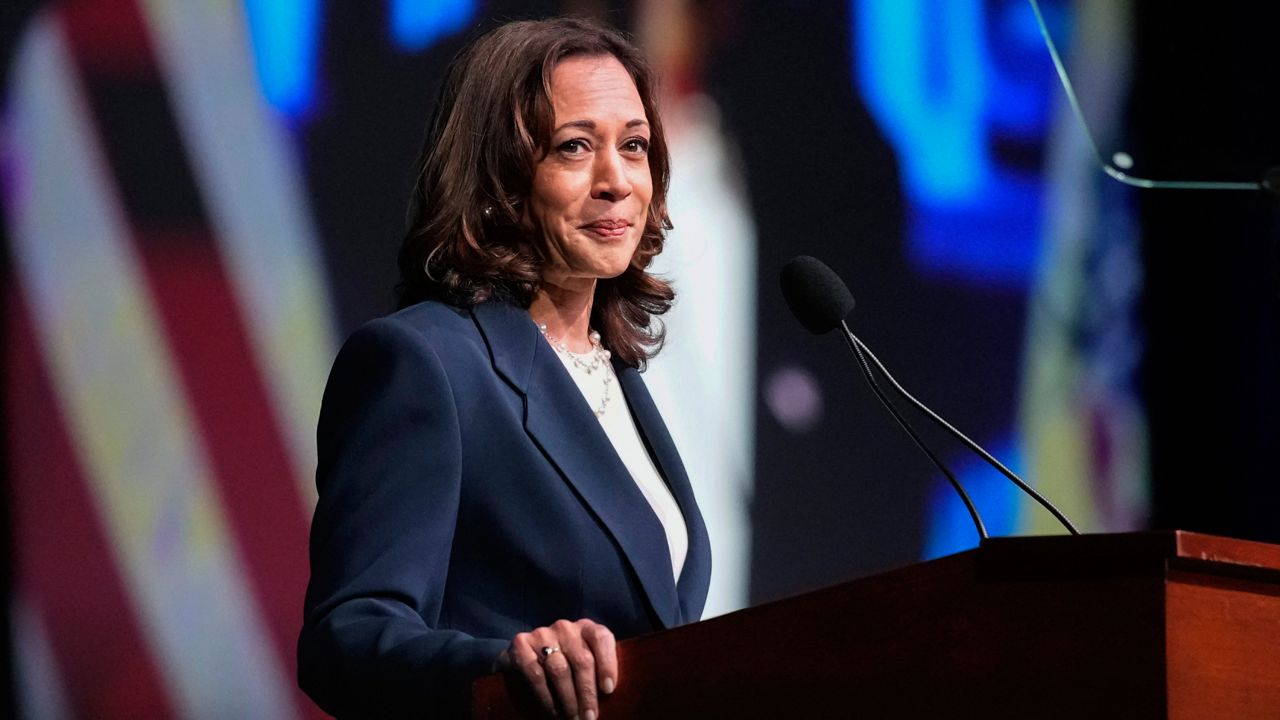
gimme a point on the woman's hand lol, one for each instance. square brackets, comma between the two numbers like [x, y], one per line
[564, 665]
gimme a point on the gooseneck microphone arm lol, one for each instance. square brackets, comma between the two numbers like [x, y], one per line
[906, 426]
[860, 347]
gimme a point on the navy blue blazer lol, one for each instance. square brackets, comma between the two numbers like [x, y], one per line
[467, 494]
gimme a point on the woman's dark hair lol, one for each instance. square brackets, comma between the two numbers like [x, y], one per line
[468, 240]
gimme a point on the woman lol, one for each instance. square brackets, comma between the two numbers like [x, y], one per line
[497, 489]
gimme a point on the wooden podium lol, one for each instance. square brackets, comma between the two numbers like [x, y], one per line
[1143, 625]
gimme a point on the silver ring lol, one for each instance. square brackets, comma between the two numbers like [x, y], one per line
[547, 652]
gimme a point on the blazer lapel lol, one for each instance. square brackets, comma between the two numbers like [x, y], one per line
[560, 423]
[695, 576]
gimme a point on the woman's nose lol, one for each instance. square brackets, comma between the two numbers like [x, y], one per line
[611, 181]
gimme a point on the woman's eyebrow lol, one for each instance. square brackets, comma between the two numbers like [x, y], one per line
[584, 124]
[591, 125]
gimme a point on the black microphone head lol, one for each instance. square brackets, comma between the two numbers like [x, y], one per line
[816, 295]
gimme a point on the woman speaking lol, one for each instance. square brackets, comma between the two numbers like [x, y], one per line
[496, 487]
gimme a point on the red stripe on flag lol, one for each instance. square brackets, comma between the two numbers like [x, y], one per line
[237, 423]
[108, 35]
[64, 562]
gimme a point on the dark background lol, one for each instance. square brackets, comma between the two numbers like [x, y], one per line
[1202, 105]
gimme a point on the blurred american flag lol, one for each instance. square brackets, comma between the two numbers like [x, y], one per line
[169, 332]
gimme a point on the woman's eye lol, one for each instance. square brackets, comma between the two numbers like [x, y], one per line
[637, 145]
[572, 147]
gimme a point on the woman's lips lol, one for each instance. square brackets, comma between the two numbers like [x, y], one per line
[608, 228]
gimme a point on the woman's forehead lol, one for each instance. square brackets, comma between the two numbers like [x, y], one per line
[594, 88]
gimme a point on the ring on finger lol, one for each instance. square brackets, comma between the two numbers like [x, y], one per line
[547, 652]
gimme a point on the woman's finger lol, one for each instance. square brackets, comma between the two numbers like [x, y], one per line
[525, 658]
[559, 674]
[604, 650]
[583, 664]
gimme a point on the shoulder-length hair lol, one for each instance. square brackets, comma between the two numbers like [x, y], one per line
[467, 239]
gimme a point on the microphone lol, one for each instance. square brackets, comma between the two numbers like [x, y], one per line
[823, 304]
[821, 301]
[817, 296]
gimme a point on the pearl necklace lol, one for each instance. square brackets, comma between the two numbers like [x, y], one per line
[598, 359]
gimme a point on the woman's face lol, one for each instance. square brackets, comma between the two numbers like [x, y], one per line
[591, 191]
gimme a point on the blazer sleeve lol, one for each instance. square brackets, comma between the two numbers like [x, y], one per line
[389, 478]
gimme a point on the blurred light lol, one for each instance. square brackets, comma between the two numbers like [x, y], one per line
[921, 67]
[961, 89]
[416, 24]
[285, 34]
[794, 398]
